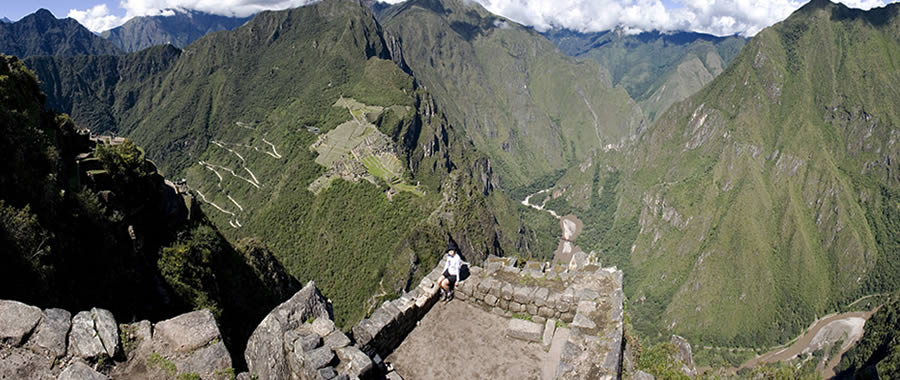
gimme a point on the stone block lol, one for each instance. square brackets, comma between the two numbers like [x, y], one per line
[393, 376]
[17, 320]
[498, 311]
[322, 326]
[586, 294]
[318, 358]
[579, 260]
[549, 329]
[568, 296]
[545, 312]
[80, 371]
[531, 309]
[506, 291]
[83, 339]
[567, 317]
[461, 296]
[524, 330]
[307, 342]
[188, 332]
[51, 332]
[475, 272]
[504, 304]
[522, 294]
[583, 321]
[108, 329]
[337, 339]
[485, 285]
[538, 319]
[326, 373]
[490, 300]
[516, 307]
[354, 362]
[540, 296]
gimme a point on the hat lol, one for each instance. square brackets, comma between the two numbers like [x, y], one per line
[451, 246]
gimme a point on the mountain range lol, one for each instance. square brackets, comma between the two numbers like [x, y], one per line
[746, 187]
[768, 198]
[178, 29]
[41, 33]
[657, 69]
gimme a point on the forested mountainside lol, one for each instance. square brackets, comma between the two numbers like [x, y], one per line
[773, 195]
[178, 29]
[877, 354]
[657, 69]
[519, 99]
[91, 224]
[300, 129]
[40, 33]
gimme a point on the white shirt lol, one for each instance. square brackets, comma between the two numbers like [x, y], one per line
[453, 264]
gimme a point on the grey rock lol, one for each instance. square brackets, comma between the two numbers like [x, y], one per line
[188, 332]
[107, 330]
[531, 309]
[524, 330]
[516, 307]
[342, 376]
[393, 376]
[80, 371]
[567, 317]
[498, 311]
[503, 304]
[317, 358]
[490, 300]
[354, 362]
[579, 260]
[24, 364]
[522, 294]
[52, 331]
[17, 320]
[322, 326]
[84, 341]
[206, 361]
[641, 375]
[337, 339]
[327, 373]
[506, 291]
[265, 350]
[549, 329]
[684, 355]
[545, 312]
[540, 296]
[243, 376]
[538, 319]
[307, 342]
[583, 322]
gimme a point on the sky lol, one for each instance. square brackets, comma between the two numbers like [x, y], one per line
[719, 17]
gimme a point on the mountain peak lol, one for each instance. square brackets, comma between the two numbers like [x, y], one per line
[44, 13]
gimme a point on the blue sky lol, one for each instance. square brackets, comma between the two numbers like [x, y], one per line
[720, 17]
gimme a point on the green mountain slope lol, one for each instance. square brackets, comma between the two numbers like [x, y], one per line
[84, 225]
[298, 128]
[179, 29]
[771, 196]
[656, 69]
[519, 99]
[41, 33]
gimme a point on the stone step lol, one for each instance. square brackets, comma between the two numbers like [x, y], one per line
[560, 337]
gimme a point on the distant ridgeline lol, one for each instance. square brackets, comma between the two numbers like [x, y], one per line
[302, 129]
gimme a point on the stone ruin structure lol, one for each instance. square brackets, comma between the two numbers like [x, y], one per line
[578, 304]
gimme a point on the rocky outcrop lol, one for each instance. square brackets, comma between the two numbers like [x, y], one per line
[52, 344]
[684, 355]
[298, 340]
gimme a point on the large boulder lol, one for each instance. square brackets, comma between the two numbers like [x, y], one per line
[107, 330]
[524, 330]
[17, 320]
[80, 371]
[51, 333]
[266, 352]
[84, 342]
[188, 332]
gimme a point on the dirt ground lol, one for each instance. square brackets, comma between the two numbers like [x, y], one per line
[460, 341]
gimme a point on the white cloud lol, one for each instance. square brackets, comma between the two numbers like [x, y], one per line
[720, 17]
[96, 19]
